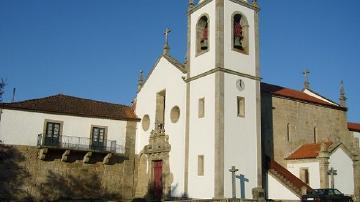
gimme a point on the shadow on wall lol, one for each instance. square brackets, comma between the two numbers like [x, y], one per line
[12, 175]
[151, 195]
[86, 185]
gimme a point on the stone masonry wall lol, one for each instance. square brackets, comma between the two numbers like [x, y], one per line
[277, 113]
[23, 175]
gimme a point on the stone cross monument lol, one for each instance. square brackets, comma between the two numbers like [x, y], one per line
[233, 170]
[332, 172]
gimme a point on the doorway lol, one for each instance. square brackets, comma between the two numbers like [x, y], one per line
[157, 180]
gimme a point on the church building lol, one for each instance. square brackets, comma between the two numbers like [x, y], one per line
[207, 128]
[213, 113]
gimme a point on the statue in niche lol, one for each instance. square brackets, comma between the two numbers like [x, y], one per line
[238, 33]
[204, 36]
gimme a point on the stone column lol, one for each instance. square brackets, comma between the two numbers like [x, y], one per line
[324, 166]
[128, 180]
[356, 165]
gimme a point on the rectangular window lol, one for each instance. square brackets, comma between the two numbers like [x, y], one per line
[304, 175]
[288, 132]
[241, 106]
[52, 133]
[98, 138]
[201, 107]
[201, 165]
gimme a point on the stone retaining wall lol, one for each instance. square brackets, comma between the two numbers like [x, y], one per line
[24, 176]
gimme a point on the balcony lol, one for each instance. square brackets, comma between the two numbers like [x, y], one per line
[78, 144]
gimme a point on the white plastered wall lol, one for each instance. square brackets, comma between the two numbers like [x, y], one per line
[278, 191]
[344, 180]
[22, 127]
[232, 59]
[240, 136]
[165, 76]
[206, 61]
[357, 135]
[313, 167]
[202, 138]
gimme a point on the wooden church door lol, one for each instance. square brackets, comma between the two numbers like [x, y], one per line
[157, 169]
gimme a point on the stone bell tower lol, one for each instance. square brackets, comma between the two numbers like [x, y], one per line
[223, 100]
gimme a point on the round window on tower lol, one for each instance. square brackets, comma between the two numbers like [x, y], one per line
[146, 122]
[175, 114]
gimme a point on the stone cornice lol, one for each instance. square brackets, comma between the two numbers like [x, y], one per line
[243, 3]
[212, 71]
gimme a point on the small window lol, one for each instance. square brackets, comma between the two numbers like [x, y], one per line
[241, 106]
[288, 132]
[304, 175]
[145, 122]
[315, 135]
[201, 107]
[175, 114]
[240, 34]
[202, 35]
[201, 165]
[98, 138]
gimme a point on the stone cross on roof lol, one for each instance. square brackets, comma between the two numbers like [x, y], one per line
[166, 45]
[306, 74]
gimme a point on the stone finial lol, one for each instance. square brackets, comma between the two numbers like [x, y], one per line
[140, 80]
[166, 45]
[191, 4]
[342, 98]
[306, 79]
[323, 147]
[255, 4]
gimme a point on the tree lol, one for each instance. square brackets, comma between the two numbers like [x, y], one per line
[2, 88]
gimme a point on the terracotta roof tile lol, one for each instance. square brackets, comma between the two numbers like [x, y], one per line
[306, 151]
[297, 95]
[354, 127]
[69, 105]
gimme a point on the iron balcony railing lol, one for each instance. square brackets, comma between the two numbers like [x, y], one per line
[79, 143]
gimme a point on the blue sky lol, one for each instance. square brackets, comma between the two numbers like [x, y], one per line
[95, 48]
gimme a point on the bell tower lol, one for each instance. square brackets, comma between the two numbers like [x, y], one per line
[223, 100]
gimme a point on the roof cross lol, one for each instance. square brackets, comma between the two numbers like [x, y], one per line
[166, 46]
[306, 74]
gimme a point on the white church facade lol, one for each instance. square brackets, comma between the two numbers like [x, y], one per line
[216, 98]
[209, 125]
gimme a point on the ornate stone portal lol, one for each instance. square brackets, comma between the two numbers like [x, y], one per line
[154, 176]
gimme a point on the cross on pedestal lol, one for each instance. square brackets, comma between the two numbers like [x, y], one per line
[233, 170]
[332, 172]
[306, 74]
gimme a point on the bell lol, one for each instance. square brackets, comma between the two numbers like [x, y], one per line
[204, 44]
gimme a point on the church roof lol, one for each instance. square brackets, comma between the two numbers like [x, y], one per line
[69, 105]
[176, 63]
[296, 95]
[354, 127]
[306, 151]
